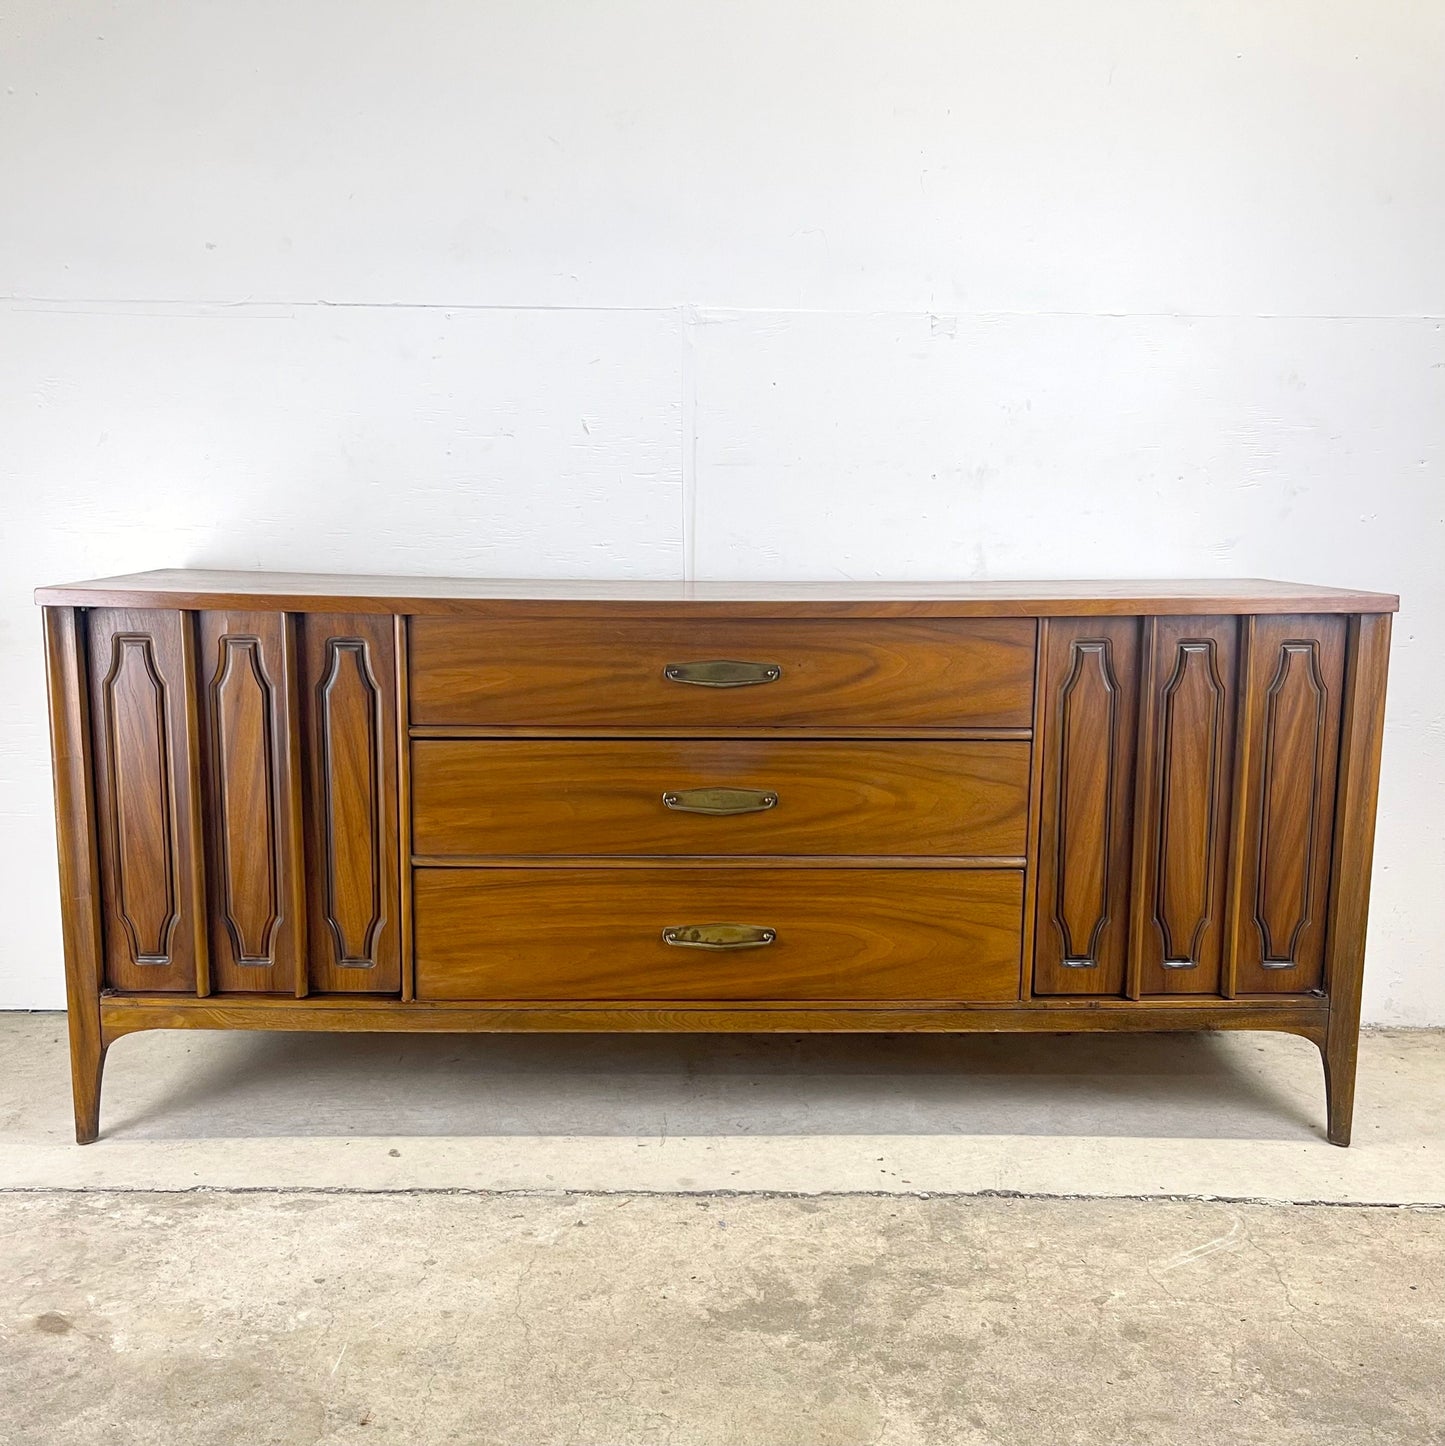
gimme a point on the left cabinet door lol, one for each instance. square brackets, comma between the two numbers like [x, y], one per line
[1090, 712]
[142, 688]
[250, 740]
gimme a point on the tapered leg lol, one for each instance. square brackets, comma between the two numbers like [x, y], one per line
[75, 830]
[1367, 662]
[87, 1065]
[1340, 1052]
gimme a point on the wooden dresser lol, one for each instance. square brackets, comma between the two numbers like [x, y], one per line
[349, 803]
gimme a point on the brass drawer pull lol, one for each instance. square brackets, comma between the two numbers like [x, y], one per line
[720, 800]
[722, 673]
[718, 936]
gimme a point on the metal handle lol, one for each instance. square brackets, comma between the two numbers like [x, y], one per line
[722, 673]
[1179, 963]
[718, 936]
[1076, 962]
[1276, 963]
[720, 800]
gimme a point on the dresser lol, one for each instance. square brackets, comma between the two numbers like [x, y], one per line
[311, 802]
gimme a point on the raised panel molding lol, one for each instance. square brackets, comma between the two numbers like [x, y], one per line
[1286, 803]
[1182, 813]
[349, 675]
[242, 699]
[1193, 735]
[1088, 730]
[134, 704]
[251, 735]
[350, 716]
[142, 675]
[1289, 802]
[1089, 723]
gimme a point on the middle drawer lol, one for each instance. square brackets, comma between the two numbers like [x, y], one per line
[718, 797]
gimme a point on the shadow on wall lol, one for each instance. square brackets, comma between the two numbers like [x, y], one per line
[191, 1085]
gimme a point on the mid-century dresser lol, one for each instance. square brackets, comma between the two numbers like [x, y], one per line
[351, 803]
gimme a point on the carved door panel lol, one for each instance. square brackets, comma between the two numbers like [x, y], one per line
[142, 665]
[1289, 750]
[250, 749]
[348, 670]
[1089, 719]
[1181, 819]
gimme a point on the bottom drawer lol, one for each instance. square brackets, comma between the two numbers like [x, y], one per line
[826, 934]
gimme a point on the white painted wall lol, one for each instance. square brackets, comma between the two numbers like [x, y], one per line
[729, 288]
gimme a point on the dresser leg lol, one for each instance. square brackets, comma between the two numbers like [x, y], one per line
[87, 1064]
[1340, 1052]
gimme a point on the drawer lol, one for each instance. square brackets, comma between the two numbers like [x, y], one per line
[581, 673]
[837, 934]
[503, 796]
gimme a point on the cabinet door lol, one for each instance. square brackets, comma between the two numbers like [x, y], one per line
[250, 746]
[1289, 750]
[1181, 820]
[142, 667]
[349, 723]
[1089, 717]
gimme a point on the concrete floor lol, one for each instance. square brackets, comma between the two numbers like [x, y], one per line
[1228, 1116]
[423, 1320]
[285, 1240]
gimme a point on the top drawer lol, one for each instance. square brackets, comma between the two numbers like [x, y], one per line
[583, 673]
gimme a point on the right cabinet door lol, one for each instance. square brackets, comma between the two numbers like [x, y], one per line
[1289, 739]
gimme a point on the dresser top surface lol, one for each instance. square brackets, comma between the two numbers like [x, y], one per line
[184, 588]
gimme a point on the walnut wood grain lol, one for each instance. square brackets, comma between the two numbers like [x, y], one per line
[1293, 687]
[142, 689]
[732, 863]
[404, 808]
[888, 674]
[122, 1015]
[1368, 652]
[77, 842]
[1185, 762]
[1082, 928]
[831, 731]
[256, 874]
[353, 865]
[1035, 817]
[597, 934]
[597, 798]
[530, 597]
